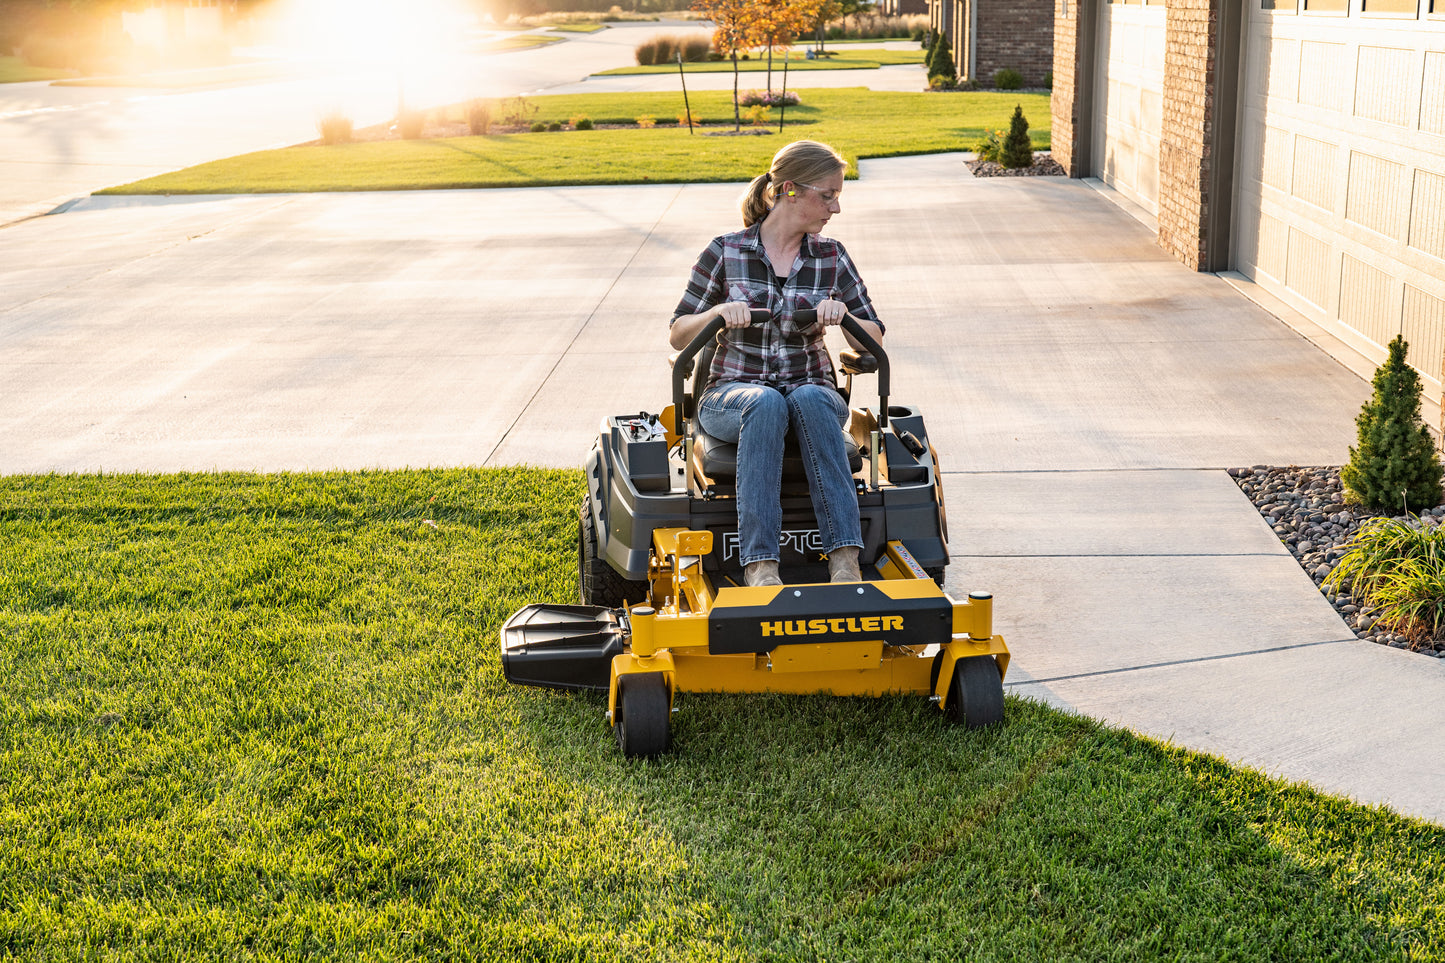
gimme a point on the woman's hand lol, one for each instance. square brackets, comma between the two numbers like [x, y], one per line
[831, 312]
[735, 314]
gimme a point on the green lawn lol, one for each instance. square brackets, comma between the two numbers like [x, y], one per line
[262, 717]
[520, 41]
[14, 70]
[857, 59]
[859, 122]
[228, 75]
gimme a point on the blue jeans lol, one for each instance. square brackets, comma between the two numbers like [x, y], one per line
[756, 418]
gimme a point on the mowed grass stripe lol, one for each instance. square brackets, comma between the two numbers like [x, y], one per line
[264, 716]
[860, 123]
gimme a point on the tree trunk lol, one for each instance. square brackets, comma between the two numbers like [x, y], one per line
[737, 119]
[770, 67]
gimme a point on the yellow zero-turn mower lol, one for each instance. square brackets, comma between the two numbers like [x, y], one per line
[664, 609]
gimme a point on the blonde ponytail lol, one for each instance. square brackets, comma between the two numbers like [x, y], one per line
[758, 199]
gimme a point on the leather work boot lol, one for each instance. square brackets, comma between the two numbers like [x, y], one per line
[843, 565]
[761, 573]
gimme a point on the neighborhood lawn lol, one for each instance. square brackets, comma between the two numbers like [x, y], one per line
[263, 717]
[14, 70]
[857, 59]
[859, 122]
[519, 41]
[228, 75]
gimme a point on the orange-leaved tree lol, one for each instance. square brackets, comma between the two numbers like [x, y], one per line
[780, 23]
[735, 28]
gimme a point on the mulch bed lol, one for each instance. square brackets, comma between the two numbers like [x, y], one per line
[1044, 165]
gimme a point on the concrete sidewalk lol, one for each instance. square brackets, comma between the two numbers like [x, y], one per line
[1085, 393]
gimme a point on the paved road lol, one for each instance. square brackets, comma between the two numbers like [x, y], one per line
[57, 143]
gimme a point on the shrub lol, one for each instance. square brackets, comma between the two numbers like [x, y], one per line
[768, 98]
[1398, 566]
[479, 116]
[538, 127]
[688, 119]
[1008, 79]
[1395, 464]
[695, 50]
[757, 115]
[874, 27]
[646, 121]
[1049, 80]
[334, 127]
[580, 122]
[410, 123]
[556, 125]
[1018, 150]
[664, 48]
[940, 82]
[519, 112]
[940, 61]
[991, 147]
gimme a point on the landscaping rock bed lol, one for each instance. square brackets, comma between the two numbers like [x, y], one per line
[1307, 510]
[1044, 165]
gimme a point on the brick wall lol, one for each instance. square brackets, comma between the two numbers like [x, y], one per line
[1064, 104]
[1184, 140]
[1017, 34]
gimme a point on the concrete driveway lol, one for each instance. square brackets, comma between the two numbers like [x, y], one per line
[1085, 393]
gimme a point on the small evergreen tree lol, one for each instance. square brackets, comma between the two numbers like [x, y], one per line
[1396, 464]
[940, 62]
[1018, 150]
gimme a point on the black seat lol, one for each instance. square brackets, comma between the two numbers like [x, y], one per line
[719, 459]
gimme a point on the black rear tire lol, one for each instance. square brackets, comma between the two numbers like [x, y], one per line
[597, 582]
[644, 717]
[975, 697]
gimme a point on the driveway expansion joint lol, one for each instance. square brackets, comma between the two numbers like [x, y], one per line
[1177, 662]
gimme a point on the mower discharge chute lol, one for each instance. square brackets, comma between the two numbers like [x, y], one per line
[664, 609]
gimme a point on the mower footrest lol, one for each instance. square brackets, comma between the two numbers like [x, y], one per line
[562, 646]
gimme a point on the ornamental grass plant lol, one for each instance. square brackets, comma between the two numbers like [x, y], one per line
[1396, 567]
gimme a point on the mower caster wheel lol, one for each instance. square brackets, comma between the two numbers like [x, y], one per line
[975, 697]
[643, 715]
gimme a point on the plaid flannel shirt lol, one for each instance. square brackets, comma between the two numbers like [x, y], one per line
[735, 267]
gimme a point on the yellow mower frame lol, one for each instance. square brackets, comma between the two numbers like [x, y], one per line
[673, 642]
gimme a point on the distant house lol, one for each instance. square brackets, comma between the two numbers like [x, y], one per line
[161, 24]
[1299, 143]
[902, 8]
[989, 35]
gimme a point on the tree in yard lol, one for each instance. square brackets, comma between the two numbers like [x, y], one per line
[734, 29]
[780, 23]
[940, 62]
[1018, 150]
[1395, 465]
[821, 12]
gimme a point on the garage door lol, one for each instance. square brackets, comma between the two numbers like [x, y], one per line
[1128, 98]
[1340, 204]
